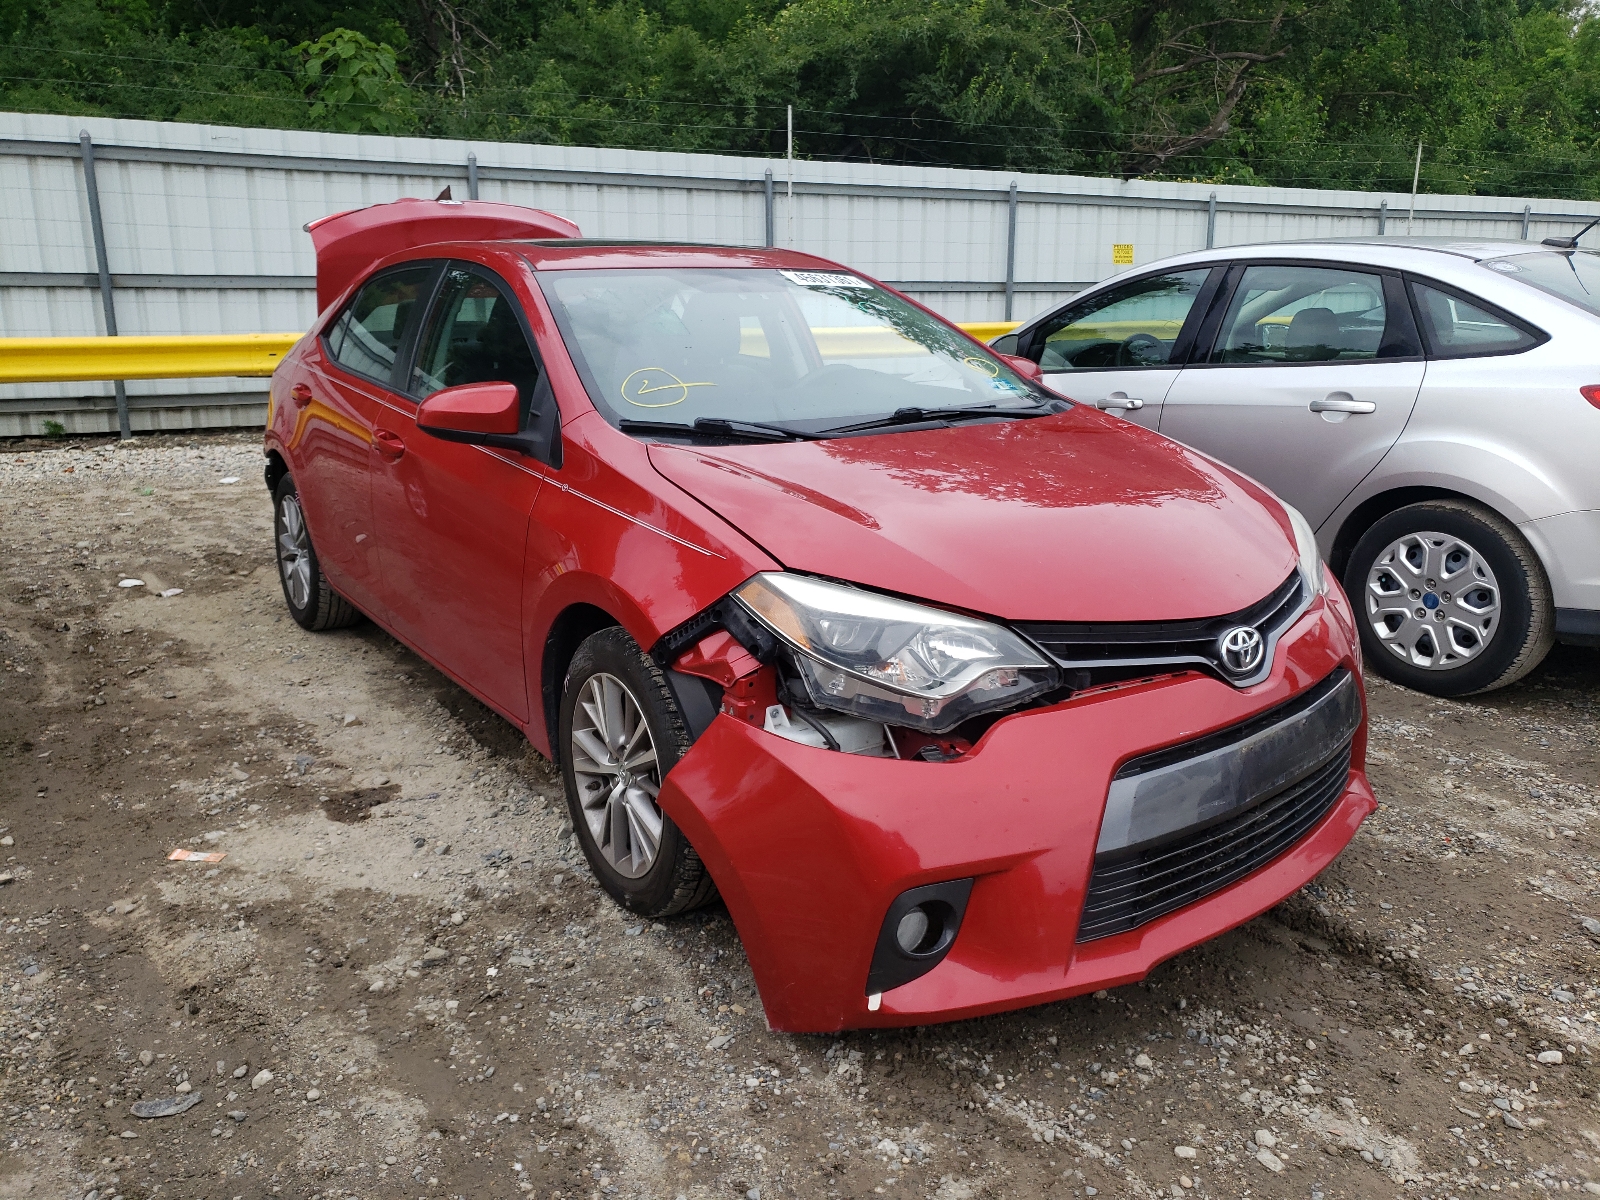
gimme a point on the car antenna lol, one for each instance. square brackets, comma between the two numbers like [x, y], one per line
[445, 195]
[1570, 243]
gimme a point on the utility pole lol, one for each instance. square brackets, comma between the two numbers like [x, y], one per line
[1416, 174]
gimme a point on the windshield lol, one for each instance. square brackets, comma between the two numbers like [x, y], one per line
[1572, 275]
[808, 350]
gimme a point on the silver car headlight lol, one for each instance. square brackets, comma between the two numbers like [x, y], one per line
[1312, 572]
[890, 660]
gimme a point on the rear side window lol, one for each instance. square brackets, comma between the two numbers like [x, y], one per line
[1457, 328]
[1130, 326]
[367, 337]
[1301, 313]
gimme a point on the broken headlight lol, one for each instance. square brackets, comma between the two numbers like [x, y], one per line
[890, 660]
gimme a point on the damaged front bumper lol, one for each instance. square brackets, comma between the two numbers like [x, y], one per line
[811, 848]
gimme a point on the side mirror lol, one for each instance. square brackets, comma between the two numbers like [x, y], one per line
[1025, 367]
[480, 413]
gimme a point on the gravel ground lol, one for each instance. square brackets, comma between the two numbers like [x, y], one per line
[401, 980]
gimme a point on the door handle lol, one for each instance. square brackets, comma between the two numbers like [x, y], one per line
[388, 445]
[300, 394]
[1119, 400]
[1343, 404]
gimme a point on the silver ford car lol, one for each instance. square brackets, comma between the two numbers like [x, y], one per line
[1431, 406]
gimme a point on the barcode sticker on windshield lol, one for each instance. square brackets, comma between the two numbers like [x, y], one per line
[824, 279]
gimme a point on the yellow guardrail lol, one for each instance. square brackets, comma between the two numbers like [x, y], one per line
[69, 359]
[74, 359]
[987, 331]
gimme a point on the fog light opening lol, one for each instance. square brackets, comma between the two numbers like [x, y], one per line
[916, 934]
[921, 929]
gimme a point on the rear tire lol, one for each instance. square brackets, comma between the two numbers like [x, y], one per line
[1450, 599]
[620, 734]
[311, 599]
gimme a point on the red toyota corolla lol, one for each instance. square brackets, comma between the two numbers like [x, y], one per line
[961, 696]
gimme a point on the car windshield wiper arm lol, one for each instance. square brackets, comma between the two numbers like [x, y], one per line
[914, 416]
[723, 427]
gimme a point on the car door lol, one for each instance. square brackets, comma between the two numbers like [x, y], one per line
[454, 518]
[1119, 349]
[336, 410]
[1311, 375]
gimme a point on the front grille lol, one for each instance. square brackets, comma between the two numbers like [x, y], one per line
[1100, 652]
[1151, 883]
[1183, 822]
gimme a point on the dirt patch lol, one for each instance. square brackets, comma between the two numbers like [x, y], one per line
[357, 804]
[402, 935]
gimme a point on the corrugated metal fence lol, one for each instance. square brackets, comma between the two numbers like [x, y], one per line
[202, 230]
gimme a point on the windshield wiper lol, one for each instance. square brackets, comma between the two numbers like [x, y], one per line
[723, 427]
[915, 416]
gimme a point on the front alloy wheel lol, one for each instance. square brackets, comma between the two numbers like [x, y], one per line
[1450, 599]
[617, 774]
[620, 733]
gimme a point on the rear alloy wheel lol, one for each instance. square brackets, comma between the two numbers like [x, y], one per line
[312, 601]
[1450, 599]
[620, 733]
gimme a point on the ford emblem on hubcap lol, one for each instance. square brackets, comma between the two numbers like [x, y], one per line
[1241, 649]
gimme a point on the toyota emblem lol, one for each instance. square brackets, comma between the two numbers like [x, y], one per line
[1242, 650]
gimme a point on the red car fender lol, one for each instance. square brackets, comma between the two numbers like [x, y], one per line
[669, 557]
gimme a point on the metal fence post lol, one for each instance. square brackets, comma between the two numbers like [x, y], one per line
[1011, 249]
[86, 147]
[1211, 221]
[1383, 216]
[772, 219]
[472, 176]
[1527, 215]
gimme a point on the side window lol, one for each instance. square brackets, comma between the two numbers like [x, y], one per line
[367, 337]
[1290, 314]
[1130, 326]
[474, 336]
[1457, 328]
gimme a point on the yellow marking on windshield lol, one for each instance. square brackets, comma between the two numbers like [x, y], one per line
[983, 366]
[647, 388]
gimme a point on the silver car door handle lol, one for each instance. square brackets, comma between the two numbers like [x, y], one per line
[1118, 400]
[1343, 406]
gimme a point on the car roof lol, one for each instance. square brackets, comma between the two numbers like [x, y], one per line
[1473, 248]
[1413, 249]
[566, 254]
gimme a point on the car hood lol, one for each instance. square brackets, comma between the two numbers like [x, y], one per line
[1072, 517]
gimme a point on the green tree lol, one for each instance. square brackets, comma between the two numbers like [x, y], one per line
[355, 85]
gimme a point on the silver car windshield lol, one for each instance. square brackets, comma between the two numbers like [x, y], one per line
[808, 350]
[1572, 275]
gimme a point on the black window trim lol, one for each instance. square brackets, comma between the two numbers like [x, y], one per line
[1205, 343]
[541, 399]
[403, 351]
[1539, 336]
[1215, 271]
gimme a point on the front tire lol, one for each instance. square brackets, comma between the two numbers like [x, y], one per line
[311, 599]
[1450, 599]
[620, 733]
